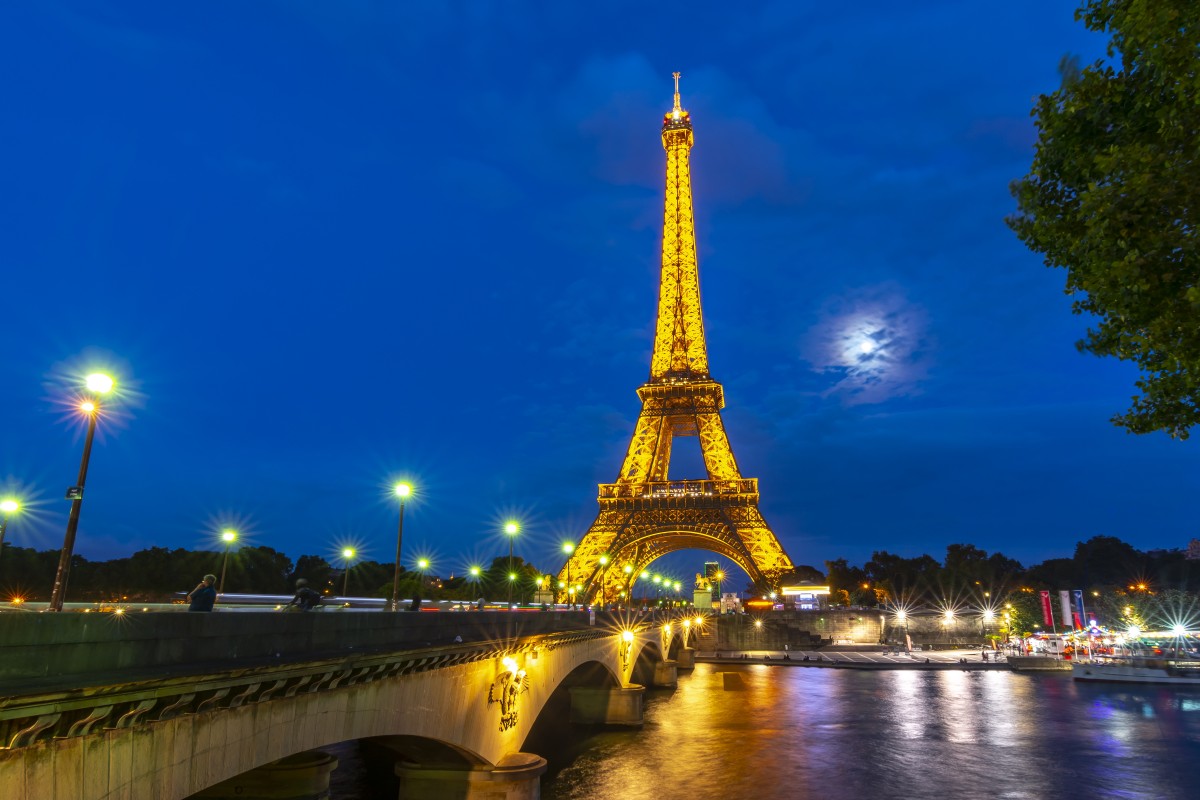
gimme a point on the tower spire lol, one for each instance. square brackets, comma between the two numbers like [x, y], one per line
[679, 349]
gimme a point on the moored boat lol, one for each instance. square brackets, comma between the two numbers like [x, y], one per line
[1138, 669]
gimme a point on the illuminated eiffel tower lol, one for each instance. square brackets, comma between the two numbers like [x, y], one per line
[645, 515]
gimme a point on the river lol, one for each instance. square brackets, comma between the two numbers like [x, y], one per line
[759, 731]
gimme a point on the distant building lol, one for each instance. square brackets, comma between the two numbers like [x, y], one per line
[711, 568]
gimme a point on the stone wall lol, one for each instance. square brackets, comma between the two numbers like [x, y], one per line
[801, 630]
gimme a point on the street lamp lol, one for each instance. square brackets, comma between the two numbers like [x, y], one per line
[512, 529]
[97, 383]
[7, 506]
[229, 537]
[569, 548]
[402, 490]
[347, 557]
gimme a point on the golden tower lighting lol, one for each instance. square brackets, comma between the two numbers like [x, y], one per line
[645, 514]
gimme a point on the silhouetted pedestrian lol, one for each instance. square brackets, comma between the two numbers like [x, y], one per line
[204, 595]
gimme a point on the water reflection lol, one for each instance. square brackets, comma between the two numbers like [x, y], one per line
[842, 734]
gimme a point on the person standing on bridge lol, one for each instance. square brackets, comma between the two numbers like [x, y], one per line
[204, 595]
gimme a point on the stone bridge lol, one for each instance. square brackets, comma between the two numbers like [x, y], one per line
[239, 704]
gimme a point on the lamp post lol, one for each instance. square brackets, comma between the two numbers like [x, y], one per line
[7, 506]
[512, 529]
[347, 558]
[402, 490]
[720, 596]
[229, 537]
[569, 548]
[97, 383]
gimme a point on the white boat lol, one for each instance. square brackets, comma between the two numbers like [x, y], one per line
[1139, 669]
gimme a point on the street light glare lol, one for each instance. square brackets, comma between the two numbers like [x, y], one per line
[568, 548]
[99, 382]
[87, 406]
[475, 571]
[9, 506]
[348, 552]
[422, 563]
[511, 528]
[403, 490]
[229, 536]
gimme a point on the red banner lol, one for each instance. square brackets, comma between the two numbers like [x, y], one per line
[1047, 614]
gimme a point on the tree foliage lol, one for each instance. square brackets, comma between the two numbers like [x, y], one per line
[1113, 196]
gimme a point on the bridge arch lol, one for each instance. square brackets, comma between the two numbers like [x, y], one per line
[472, 707]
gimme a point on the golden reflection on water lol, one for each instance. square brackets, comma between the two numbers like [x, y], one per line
[757, 731]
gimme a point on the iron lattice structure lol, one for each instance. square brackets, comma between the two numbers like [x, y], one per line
[644, 514]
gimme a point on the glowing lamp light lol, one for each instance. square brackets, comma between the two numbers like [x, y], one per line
[9, 506]
[87, 407]
[758, 623]
[988, 615]
[627, 569]
[1134, 630]
[667, 628]
[1178, 630]
[228, 536]
[568, 548]
[510, 664]
[512, 576]
[687, 623]
[475, 572]
[603, 560]
[99, 382]
[699, 620]
[511, 528]
[402, 490]
[348, 553]
[422, 563]
[627, 635]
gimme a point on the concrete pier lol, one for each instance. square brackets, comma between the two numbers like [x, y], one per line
[517, 776]
[621, 705]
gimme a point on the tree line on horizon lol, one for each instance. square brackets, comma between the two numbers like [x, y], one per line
[160, 574]
[967, 576]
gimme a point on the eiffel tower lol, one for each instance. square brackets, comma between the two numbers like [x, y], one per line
[644, 515]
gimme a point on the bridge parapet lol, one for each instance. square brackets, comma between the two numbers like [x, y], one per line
[64, 649]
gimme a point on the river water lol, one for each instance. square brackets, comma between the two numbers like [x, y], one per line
[759, 731]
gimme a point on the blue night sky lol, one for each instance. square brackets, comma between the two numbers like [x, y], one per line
[327, 245]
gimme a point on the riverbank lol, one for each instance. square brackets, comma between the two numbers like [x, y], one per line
[971, 660]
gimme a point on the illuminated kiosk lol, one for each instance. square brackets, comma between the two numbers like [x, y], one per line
[806, 597]
[645, 514]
